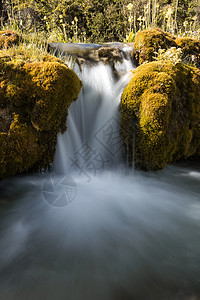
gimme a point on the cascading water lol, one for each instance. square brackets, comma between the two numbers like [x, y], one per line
[120, 235]
[92, 141]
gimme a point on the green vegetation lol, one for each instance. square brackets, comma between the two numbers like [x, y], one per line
[154, 41]
[148, 42]
[164, 98]
[36, 89]
[35, 93]
[100, 21]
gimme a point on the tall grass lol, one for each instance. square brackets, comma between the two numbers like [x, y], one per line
[151, 14]
[137, 19]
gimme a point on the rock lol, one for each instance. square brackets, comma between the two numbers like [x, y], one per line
[76, 51]
[8, 38]
[111, 54]
[164, 99]
[34, 99]
[148, 42]
[190, 49]
[90, 53]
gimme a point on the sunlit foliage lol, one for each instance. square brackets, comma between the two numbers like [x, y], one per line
[102, 21]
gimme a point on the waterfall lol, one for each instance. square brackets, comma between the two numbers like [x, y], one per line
[92, 142]
[92, 228]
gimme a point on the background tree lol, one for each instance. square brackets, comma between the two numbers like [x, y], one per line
[100, 21]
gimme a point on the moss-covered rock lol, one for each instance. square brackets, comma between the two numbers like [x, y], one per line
[148, 42]
[165, 101]
[8, 38]
[34, 99]
[190, 49]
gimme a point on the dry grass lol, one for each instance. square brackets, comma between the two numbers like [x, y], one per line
[31, 48]
[29, 53]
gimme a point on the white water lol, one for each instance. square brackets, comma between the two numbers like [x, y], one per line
[125, 235]
[94, 121]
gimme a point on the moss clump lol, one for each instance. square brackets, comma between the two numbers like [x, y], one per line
[8, 38]
[149, 41]
[190, 50]
[34, 99]
[165, 101]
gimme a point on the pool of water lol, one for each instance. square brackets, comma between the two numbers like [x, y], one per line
[119, 235]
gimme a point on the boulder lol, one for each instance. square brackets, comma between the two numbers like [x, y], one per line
[34, 100]
[163, 99]
[148, 42]
[190, 50]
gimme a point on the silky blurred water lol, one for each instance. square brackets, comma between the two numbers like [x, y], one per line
[94, 228]
[124, 236]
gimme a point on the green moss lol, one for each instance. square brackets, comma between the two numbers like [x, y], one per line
[165, 101]
[149, 41]
[34, 100]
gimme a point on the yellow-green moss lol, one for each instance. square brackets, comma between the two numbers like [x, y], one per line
[190, 49]
[34, 100]
[8, 38]
[165, 101]
[149, 41]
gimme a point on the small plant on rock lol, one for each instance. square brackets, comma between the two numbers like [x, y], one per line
[173, 54]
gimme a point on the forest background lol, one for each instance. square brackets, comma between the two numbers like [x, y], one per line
[100, 20]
